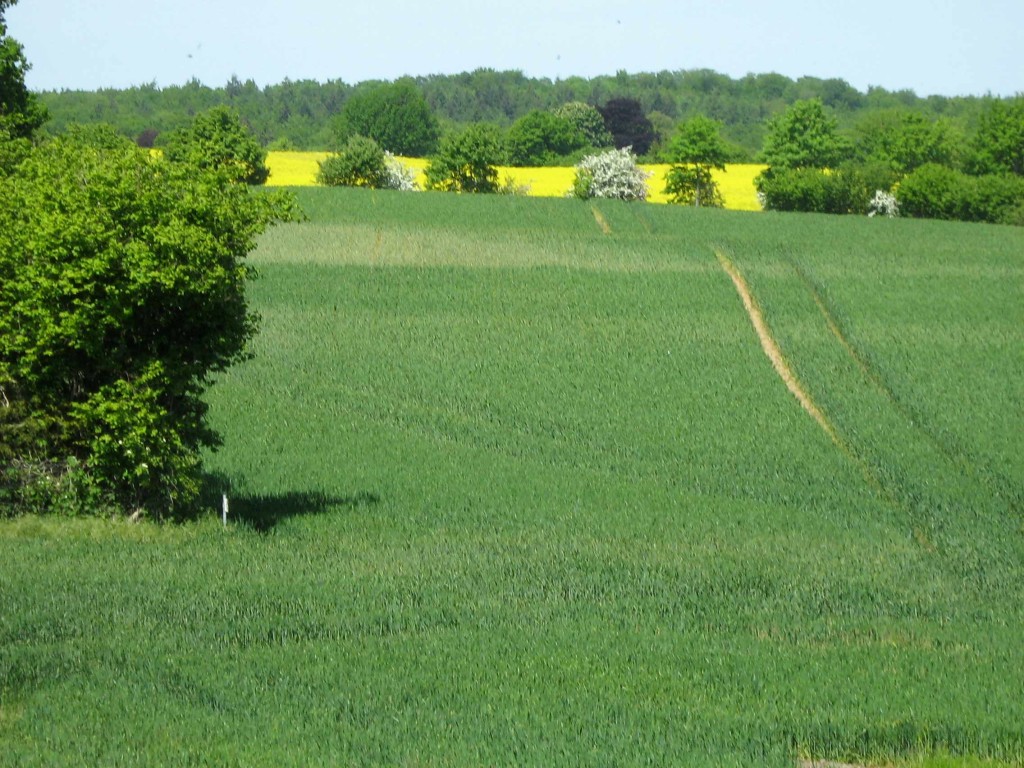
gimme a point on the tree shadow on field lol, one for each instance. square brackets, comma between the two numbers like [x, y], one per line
[263, 512]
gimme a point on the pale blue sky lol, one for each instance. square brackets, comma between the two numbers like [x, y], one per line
[931, 46]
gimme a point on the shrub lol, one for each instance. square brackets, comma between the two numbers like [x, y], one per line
[542, 138]
[613, 174]
[216, 139]
[398, 175]
[937, 192]
[360, 164]
[884, 204]
[811, 190]
[467, 161]
[122, 290]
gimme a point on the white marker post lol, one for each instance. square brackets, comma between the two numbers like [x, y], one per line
[224, 509]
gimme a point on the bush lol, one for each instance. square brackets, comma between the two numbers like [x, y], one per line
[216, 139]
[467, 161]
[122, 290]
[542, 138]
[936, 192]
[399, 176]
[811, 190]
[611, 174]
[360, 164]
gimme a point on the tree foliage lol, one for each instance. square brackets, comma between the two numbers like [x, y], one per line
[122, 290]
[21, 114]
[695, 151]
[937, 192]
[805, 136]
[395, 115]
[467, 161]
[217, 139]
[588, 123]
[542, 138]
[360, 163]
[625, 120]
[905, 140]
[998, 145]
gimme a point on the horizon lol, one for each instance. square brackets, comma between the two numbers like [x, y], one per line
[932, 48]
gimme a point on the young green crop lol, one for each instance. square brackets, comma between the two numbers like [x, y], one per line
[506, 488]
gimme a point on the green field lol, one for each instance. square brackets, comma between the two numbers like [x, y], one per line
[513, 482]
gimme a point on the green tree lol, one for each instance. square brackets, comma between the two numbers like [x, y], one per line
[466, 161]
[395, 115]
[217, 139]
[904, 140]
[998, 145]
[360, 164]
[21, 114]
[588, 122]
[122, 290]
[805, 136]
[542, 138]
[696, 150]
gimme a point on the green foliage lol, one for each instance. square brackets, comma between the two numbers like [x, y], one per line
[937, 192]
[588, 122]
[693, 185]
[805, 136]
[998, 145]
[395, 115]
[542, 138]
[905, 140]
[626, 122]
[216, 139]
[360, 164]
[696, 149]
[21, 113]
[467, 161]
[811, 190]
[122, 290]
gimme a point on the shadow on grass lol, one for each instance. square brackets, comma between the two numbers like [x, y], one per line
[262, 512]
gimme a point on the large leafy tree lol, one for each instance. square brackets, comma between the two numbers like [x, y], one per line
[696, 150]
[805, 136]
[21, 114]
[629, 126]
[395, 115]
[467, 161]
[587, 121]
[904, 141]
[217, 139]
[998, 145]
[541, 138]
[122, 290]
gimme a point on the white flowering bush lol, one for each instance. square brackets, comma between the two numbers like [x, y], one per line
[884, 204]
[612, 174]
[397, 175]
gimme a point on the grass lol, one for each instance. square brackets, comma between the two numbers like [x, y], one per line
[507, 489]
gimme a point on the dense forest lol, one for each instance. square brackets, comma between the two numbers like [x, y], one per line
[303, 114]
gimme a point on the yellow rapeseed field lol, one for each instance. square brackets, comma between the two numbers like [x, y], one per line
[736, 182]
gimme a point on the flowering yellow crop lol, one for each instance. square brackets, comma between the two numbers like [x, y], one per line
[736, 183]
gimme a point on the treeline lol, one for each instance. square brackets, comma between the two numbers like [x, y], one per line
[303, 114]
